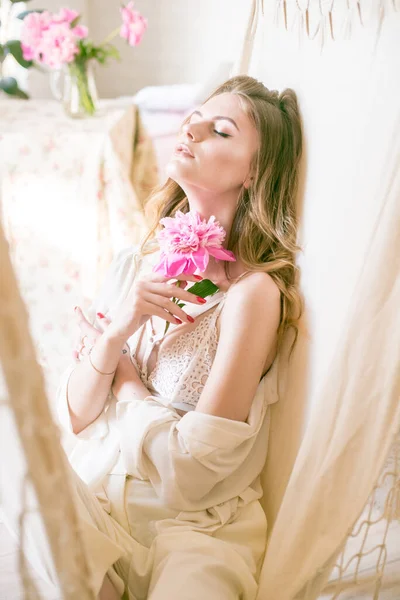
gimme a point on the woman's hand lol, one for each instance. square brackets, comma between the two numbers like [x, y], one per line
[88, 337]
[151, 295]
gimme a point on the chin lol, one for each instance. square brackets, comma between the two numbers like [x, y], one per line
[174, 172]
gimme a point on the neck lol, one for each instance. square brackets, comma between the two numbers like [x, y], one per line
[209, 203]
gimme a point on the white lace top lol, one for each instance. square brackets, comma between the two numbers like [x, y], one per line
[182, 369]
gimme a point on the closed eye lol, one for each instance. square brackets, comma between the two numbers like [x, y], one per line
[222, 134]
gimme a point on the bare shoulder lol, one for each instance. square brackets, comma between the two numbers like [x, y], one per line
[256, 292]
[253, 306]
[253, 283]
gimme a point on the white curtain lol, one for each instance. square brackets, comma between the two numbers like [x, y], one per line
[339, 411]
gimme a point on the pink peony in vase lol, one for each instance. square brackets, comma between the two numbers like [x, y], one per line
[58, 41]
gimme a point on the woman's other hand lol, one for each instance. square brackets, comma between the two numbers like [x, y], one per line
[88, 334]
[126, 371]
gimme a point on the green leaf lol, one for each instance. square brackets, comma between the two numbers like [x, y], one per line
[85, 50]
[2, 53]
[203, 288]
[24, 14]
[88, 51]
[21, 94]
[103, 53]
[14, 48]
[9, 85]
[112, 52]
[16, 1]
[75, 22]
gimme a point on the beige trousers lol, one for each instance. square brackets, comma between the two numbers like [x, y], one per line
[184, 565]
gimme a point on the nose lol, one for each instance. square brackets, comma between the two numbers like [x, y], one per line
[193, 131]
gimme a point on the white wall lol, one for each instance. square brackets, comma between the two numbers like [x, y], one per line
[185, 41]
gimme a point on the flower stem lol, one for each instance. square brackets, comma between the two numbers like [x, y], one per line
[79, 73]
[111, 36]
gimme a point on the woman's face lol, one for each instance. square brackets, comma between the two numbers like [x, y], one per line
[222, 139]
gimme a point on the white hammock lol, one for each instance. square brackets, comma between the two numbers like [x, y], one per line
[342, 391]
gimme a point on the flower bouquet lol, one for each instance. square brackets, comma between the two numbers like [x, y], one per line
[59, 41]
[186, 244]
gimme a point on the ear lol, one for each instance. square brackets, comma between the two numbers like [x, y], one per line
[248, 182]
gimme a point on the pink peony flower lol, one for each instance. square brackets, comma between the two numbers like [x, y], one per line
[31, 33]
[28, 53]
[134, 25]
[81, 31]
[48, 38]
[58, 46]
[65, 15]
[187, 242]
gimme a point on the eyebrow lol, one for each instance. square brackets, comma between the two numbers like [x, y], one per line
[217, 118]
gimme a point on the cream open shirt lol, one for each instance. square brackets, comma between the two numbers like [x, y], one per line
[196, 470]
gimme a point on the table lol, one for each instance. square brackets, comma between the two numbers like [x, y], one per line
[68, 204]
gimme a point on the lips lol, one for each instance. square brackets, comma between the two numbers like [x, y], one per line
[184, 149]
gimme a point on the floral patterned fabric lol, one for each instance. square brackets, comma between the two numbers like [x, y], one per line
[70, 199]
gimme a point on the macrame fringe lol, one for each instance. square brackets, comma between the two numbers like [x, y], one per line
[381, 509]
[329, 20]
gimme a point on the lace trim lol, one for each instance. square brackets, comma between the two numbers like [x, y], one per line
[181, 370]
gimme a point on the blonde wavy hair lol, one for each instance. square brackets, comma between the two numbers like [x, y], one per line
[264, 229]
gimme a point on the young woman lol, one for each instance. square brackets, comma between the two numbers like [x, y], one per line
[170, 432]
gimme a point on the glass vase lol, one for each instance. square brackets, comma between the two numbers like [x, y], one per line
[78, 92]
